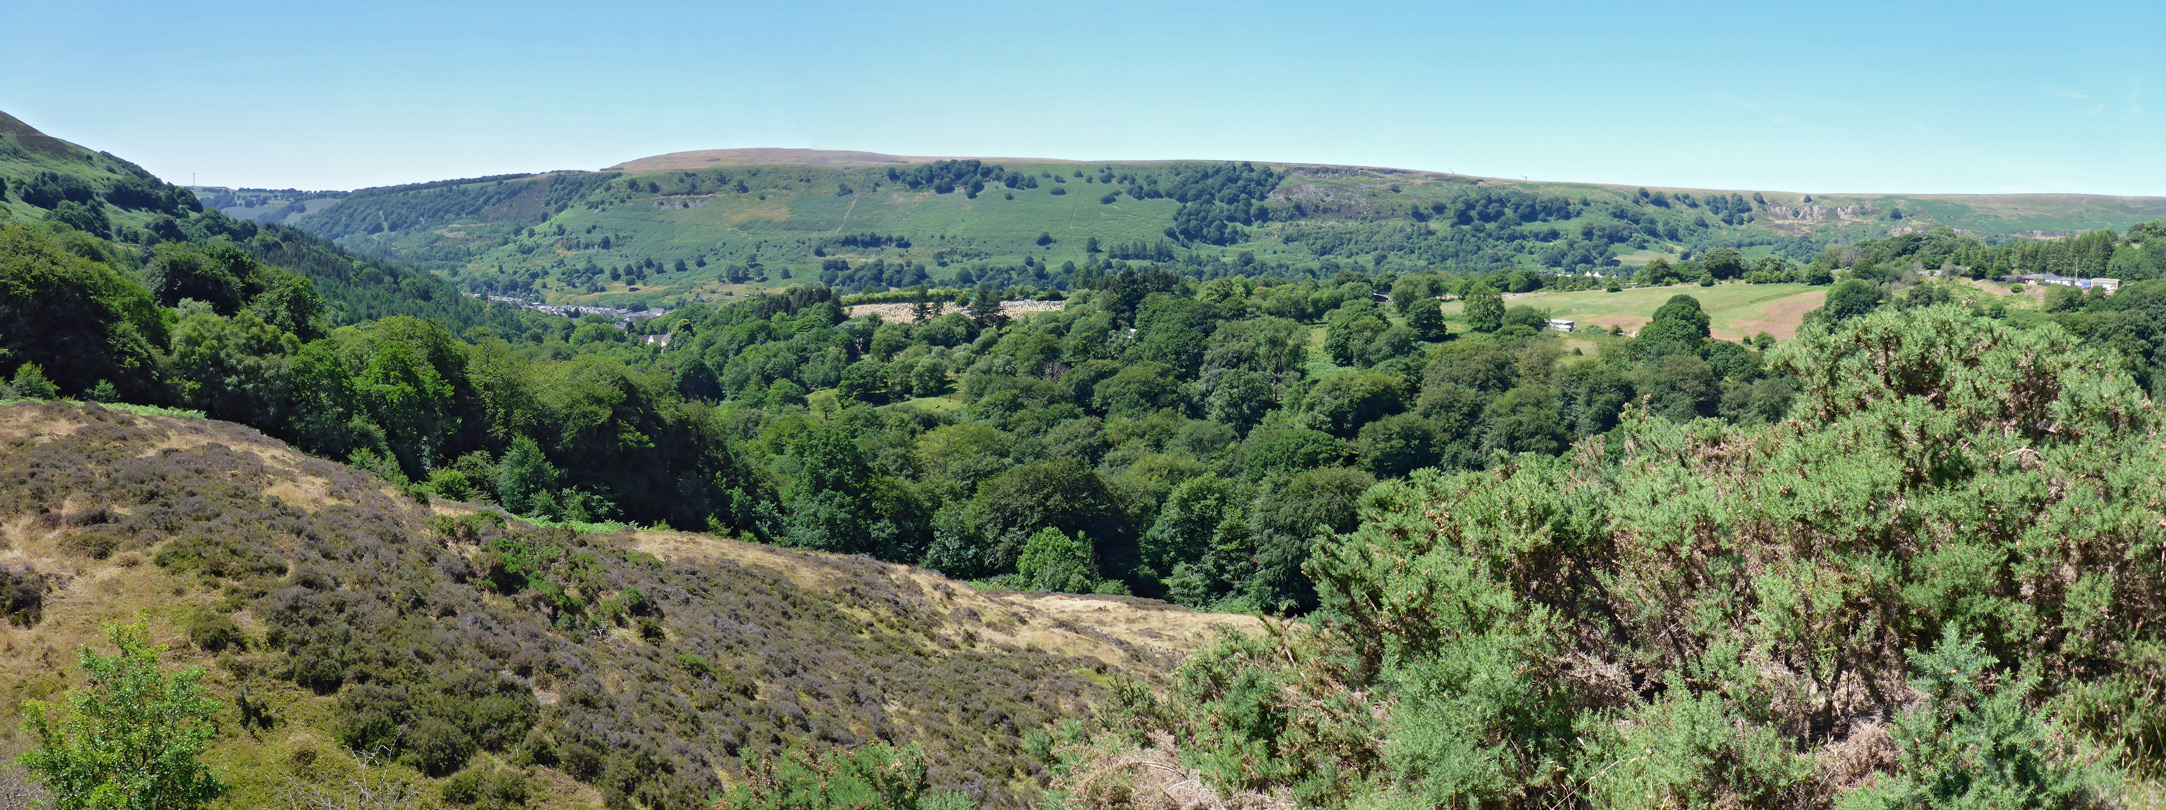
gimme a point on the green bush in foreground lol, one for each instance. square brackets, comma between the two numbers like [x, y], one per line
[875, 776]
[131, 738]
[1957, 529]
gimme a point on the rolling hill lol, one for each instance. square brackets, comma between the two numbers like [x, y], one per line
[703, 225]
[583, 667]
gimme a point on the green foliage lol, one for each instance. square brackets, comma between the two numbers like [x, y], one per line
[1850, 299]
[1968, 748]
[1709, 615]
[78, 319]
[525, 475]
[1426, 318]
[1053, 561]
[1484, 308]
[30, 382]
[131, 738]
[875, 776]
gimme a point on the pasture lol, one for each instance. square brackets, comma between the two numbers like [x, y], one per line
[1735, 311]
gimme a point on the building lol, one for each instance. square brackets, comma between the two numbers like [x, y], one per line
[1560, 324]
[2105, 285]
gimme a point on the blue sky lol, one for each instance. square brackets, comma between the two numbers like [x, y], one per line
[1822, 96]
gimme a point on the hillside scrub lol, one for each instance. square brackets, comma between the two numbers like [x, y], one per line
[1932, 583]
[466, 648]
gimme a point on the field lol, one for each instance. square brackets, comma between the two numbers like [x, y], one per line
[1736, 311]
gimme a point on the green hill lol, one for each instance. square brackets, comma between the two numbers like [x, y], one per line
[630, 668]
[132, 212]
[703, 225]
[44, 177]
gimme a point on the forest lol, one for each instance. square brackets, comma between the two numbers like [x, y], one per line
[1163, 434]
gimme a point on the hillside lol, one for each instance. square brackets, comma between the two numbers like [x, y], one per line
[592, 667]
[710, 224]
[45, 177]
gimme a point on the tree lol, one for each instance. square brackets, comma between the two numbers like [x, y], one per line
[1352, 329]
[838, 504]
[1341, 403]
[80, 320]
[985, 309]
[1238, 398]
[131, 738]
[1723, 264]
[86, 217]
[219, 274]
[236, 368]
[1426, 318]
[525, 474]
[1524, 420]
[1399, 444]
[1286, 518]
[1484, 308]
[1063, 493]
[1414, 288]
[1052, 560]
[1194, 513]
[404, 394]
[1851, 299]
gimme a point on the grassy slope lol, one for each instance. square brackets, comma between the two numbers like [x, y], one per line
[1735, 311]
[1023, 657]
[25, 152]
[779, 225]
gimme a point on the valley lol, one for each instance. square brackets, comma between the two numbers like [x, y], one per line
[782, 479]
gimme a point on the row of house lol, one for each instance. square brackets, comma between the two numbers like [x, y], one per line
[2106, 285]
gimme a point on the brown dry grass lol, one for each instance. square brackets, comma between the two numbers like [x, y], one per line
[1120, 632]
[1780, 318]
[1152, 778]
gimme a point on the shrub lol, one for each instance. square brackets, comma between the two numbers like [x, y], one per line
[131, 738]
[95, 544]
[435, 746]
[488, 787]
[22, 594]
[31, 383]
[1053, 561]
[226, 556]
[873, 776]
[451, 483]
[214, 632]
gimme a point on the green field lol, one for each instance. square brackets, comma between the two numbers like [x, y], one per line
[1736, 311]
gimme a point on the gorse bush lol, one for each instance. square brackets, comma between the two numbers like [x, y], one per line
[1957, 529]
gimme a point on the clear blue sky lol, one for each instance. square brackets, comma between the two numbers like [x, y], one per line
[1806, 96]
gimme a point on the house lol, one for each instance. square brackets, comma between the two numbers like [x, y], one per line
[2105, 285]
[658, 340]
[1560, 324]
